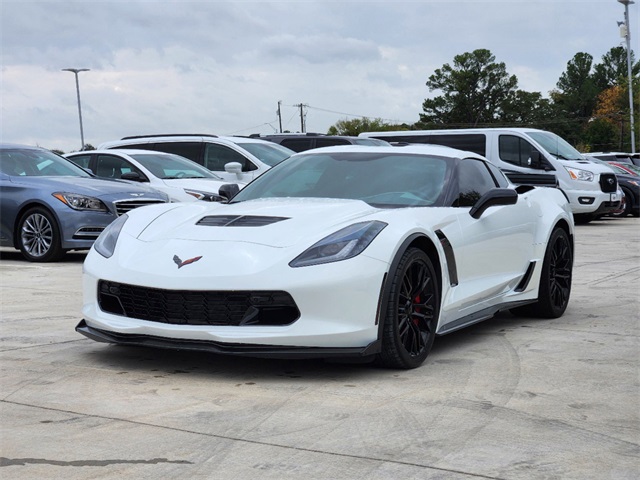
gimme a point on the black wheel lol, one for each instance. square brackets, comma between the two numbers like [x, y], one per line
[626, 203]
[583, 218]
[555, 279]
[39, 236]
[412, 312]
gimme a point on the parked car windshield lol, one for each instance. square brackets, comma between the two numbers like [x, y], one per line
[384, 180]
[37, 163]
[556, 146]
[267, 152]
[172, 166]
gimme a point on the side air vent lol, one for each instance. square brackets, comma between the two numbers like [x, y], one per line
[238, 221]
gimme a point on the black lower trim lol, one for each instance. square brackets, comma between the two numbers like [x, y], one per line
[481, 315]
[248, 350]
[526, 278]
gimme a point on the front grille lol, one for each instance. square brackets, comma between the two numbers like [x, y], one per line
[608, 182]
[123, 206]
[238, 221]
[190, 307]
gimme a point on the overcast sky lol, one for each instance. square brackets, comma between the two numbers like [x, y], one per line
[160, 66]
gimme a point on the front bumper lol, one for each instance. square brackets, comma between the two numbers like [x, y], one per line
[248, 350]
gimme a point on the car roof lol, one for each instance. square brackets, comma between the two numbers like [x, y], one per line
[407, 149]
[125, 151]
[179, 137]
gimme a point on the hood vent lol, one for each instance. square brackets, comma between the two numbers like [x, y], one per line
[238, 221]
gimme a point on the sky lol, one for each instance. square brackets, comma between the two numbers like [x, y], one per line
[221, 67]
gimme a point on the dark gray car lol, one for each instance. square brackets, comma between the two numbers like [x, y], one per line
[49, 205]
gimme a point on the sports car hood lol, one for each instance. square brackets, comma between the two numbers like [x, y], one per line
[270, 222]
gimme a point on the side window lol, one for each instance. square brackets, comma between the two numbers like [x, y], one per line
[217, 156]
[327, 142]
[111, 166]
[474, 180]
[190, 150]
[514, 150]
[297, 144]
[498, 176]
[81, 160]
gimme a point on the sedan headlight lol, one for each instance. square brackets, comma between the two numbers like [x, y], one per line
[206, 196]
[578, 174]
[81, 202]
[341, 245]
[106, 242]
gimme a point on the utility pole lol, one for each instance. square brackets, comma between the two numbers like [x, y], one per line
[280, 115]
[302, 126]
[76, 71]
[625, 31]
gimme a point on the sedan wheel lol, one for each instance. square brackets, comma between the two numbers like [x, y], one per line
[412, 312]
[39, 237]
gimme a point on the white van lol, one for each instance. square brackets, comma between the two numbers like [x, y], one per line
[531, 157]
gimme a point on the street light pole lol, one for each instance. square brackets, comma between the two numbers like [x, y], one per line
[76, 71]
[627, 35]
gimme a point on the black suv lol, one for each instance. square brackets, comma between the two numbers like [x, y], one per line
[299, 142]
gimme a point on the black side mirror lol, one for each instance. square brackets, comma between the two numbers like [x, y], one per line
[493, 198]
[134, 176]
[228, 190]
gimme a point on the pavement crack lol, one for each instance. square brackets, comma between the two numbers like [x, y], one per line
[8, 462]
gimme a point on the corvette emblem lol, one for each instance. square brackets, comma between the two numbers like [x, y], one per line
[181, 264]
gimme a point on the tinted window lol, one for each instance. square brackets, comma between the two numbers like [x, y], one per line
[514, 150]
[190, 150]
[471, 142]
[112, 166]
[268, 153]
[498, 176]
[297, 144]
[217, 156]
[81, 160]
[327, 142]
[474, 180]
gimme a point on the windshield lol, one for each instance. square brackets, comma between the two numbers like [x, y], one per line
[556, 146]
[627, 168]
[267, 152]
[37, 163]
[172, 166]
[385, 180]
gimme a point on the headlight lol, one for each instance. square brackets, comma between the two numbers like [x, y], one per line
[81, 202]
[106, 242]
[341, 245]
[577, 174]
[206, 196]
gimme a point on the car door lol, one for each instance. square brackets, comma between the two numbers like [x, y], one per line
[492, 252]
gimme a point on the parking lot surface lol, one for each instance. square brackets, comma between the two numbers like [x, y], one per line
[510, 398]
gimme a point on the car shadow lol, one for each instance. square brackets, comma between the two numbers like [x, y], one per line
[10, 254]
[161, 362]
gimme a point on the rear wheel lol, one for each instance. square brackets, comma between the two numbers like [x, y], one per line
[555, 279]
[412, 312]
[39, 236]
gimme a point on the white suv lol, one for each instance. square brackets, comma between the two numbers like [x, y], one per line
[235, 159]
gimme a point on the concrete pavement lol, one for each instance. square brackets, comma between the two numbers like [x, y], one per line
[510, 398]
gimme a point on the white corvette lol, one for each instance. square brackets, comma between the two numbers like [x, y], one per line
[337, 252]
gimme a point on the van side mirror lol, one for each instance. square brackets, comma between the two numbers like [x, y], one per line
[493, 198]
[228, 190]
[534, 160]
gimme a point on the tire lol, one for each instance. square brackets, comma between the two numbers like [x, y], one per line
[628, 203]
[583, 218]
[412, 312]
[555, 279]
[38, 236]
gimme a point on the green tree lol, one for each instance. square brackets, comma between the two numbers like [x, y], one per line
[613, 68]
[475, 90]
[356, 126]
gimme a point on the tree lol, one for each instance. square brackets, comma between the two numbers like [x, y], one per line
[475, 91]
[613, 69]
[356, 126]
